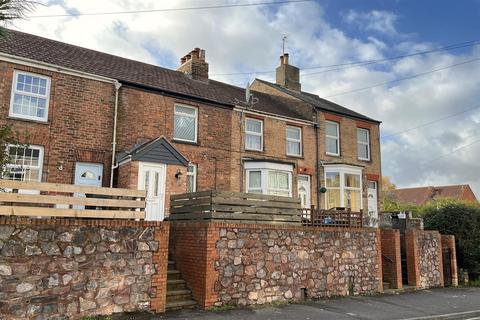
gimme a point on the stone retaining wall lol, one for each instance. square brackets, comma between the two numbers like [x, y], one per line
[255, 264]
[73, 268]
[430, 258]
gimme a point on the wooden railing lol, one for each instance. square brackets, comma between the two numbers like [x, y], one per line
[65, 200]
[332, 218]
[235, 207]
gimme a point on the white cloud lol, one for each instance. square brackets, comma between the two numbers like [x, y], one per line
[249, 38]
[375, 20]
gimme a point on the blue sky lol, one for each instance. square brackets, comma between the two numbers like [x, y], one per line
[324, 32]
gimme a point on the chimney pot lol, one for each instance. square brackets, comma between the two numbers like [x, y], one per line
[285, 58]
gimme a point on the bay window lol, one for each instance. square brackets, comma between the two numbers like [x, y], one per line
[344, 187]
[269, 178]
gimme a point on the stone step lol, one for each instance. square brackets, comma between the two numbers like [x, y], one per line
[173, 275]
[179, 295]
[386, 285]
[176, 305]
[171, 265]
[174, 285]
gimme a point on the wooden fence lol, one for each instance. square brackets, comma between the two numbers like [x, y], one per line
[332, 218]
[65, 200]
[235, 207]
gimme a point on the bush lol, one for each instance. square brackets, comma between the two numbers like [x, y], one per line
[463, 221]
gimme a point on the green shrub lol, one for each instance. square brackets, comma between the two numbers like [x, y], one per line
[463, 221]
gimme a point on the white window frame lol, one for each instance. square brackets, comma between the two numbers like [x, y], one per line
[264, 168]
[337, 138]
[258, 134]
[40, 159]
[194, 175]
[185, 115]
[299, 141]
[16, 73]
[364, 144]
[342, 170]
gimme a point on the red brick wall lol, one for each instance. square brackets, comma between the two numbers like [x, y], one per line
[413, 268]
[448, 241]
[192, 247]
[391, 263]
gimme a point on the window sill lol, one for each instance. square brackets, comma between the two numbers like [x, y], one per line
[295, 156]
[332, 154]
[186, 142]
[28, 120]
[365, 160]
[253, 150]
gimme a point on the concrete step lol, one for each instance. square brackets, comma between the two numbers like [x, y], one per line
[173, 275]
[179, 295]
[171, 265]
[386, 286]
[177, 284]
[176, 305]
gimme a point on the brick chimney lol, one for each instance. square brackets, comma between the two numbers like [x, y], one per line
[193, 65]
[288, 76]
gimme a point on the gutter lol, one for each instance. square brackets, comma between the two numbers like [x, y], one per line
[117, 86]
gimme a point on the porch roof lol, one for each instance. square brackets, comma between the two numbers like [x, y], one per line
[158, 150]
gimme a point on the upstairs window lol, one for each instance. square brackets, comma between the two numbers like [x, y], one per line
[30, 96]
[185, 124]
[191, 178]
[254, 134]
[25, 164]
[294, 141]
[332, 134]
[363, 144]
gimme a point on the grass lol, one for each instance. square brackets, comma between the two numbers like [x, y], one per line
[97, 318]
[474, 283]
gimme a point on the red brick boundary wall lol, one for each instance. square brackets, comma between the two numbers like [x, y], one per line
[448, 241]
[246, 264]
[391, 254]
[74, 268]
[424, 258]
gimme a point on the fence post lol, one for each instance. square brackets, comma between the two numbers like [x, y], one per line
[312, 211]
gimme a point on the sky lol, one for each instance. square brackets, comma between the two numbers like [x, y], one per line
[430, 122]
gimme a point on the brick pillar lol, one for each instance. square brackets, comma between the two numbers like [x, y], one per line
[440, 258]
[413, 263]
[391, 257]
[160, 259]
[448, 241]
[378, 241]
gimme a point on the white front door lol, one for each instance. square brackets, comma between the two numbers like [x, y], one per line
[304, 192]
[372, 203]
[87, 174]
[152, 177]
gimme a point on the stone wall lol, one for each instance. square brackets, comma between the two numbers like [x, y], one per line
[74, 268]
[430, 259]
[244, 264]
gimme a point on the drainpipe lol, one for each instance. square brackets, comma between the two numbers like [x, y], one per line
[114, 140]
[317, 157]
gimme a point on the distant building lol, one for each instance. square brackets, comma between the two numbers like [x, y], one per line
[422, 195]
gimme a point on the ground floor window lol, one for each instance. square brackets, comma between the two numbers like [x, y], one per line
[191, 178]
[344, 187]
[269, 178]
[25, 164]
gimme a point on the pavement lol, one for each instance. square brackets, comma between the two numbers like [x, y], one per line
[442, 303]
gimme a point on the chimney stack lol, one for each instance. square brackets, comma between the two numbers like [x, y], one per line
[194, 65]
[288, 76]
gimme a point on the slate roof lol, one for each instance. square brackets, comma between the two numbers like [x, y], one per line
[318, 102]
[158, 150]
[133, 72]
[422, 195]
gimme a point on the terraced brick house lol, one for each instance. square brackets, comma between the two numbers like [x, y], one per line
[102, 120]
